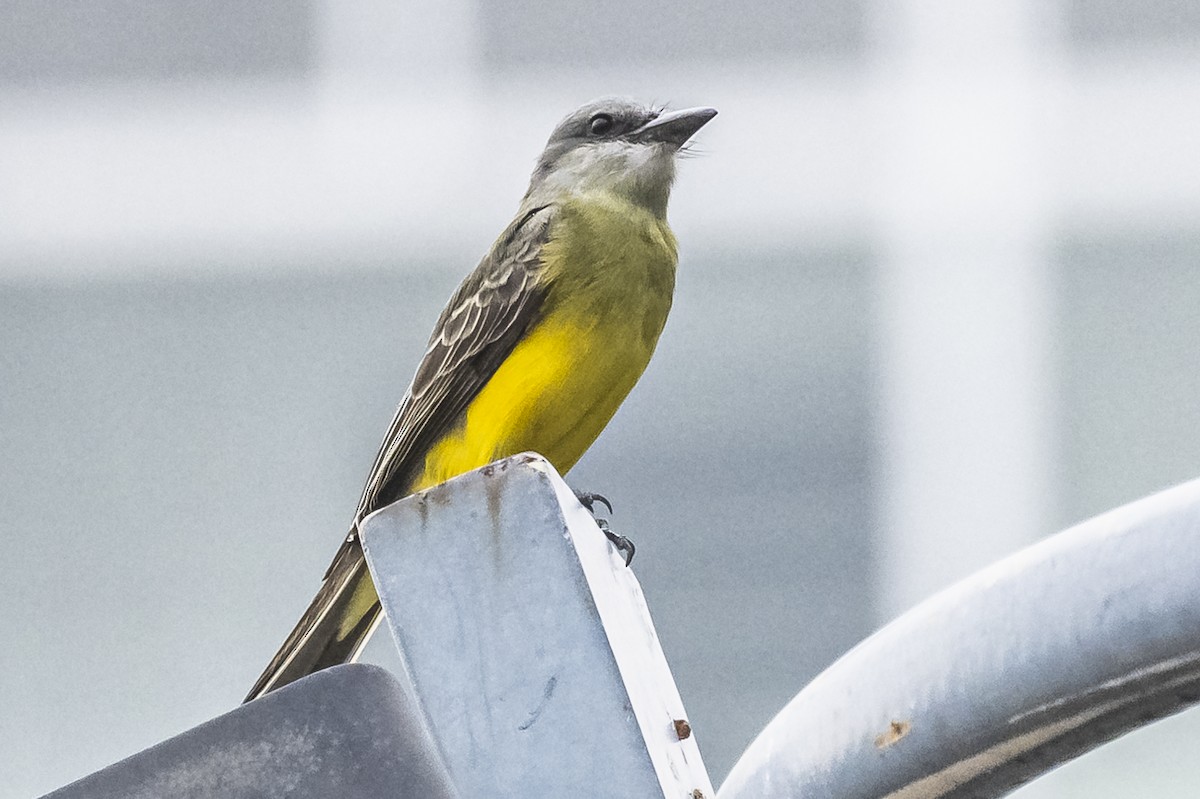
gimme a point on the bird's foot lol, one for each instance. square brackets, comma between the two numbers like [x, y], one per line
[588, 500]
[619, 541]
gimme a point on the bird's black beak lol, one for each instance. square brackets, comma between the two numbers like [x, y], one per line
[674, 127]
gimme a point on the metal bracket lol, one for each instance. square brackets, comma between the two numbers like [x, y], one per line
[528, 641]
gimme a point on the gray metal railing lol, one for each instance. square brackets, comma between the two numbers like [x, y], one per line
[1026, 664]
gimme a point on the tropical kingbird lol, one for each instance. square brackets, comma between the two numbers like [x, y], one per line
[536, 349]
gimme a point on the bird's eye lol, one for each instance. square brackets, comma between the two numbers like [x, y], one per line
[600, 124]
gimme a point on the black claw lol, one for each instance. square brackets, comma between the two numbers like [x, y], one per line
[588, 500]
[622, 544]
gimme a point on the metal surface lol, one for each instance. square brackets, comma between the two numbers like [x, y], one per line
[350, 732]
[528, 641]
[1028, 663]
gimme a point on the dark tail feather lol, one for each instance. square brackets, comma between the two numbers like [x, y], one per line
[333, 629]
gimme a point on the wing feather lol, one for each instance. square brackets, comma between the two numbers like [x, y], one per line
[479, 327]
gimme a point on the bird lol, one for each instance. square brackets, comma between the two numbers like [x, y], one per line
[536, 349]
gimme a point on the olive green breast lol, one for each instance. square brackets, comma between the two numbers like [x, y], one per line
[608, 258]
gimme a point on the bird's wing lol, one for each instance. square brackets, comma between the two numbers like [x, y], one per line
[479, 327]
[477, 330]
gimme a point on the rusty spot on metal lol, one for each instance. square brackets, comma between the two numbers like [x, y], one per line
[892, 735]
[683, 730]
[439, 494]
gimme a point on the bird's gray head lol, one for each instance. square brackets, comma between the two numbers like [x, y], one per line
[615, 145]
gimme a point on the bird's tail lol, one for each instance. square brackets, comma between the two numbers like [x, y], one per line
[335, 627]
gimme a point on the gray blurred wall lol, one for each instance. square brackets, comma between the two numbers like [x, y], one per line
[936, 300]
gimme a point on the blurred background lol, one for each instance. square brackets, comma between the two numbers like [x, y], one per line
[937, 299]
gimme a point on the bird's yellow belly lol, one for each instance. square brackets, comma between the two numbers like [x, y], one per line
[552, 395]
[566, 378]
